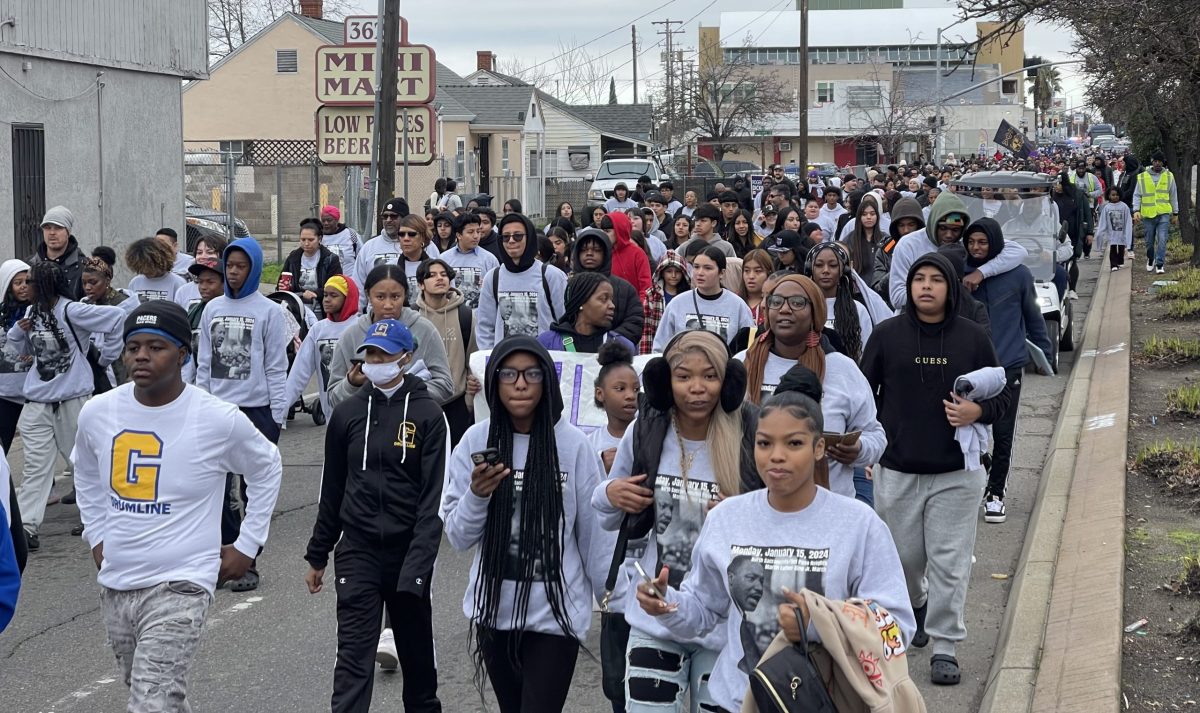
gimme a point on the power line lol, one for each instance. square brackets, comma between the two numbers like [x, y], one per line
[606, 34]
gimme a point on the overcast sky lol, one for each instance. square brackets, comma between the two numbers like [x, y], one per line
[532, 30]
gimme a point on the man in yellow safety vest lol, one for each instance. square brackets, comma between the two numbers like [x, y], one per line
[1156, 204]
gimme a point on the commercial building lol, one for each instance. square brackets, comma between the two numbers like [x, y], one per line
[90, 115]
[873, 88]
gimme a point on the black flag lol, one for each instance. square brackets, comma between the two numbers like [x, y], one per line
[1011, 138]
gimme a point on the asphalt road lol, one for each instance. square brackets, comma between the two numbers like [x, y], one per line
[273, 649]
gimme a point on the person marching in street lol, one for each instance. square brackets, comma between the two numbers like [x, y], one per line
[340, 306]
[386, 299]
[59, 246]
[98, 290]
[14, 287]
[470, 261]
[1015, 318]
[57, 384]
[172, 445]
[380, 496]
[310, 266]
[592, 252]
[209, 249]
[443, 231]
[242, 358]
[923, 491]
[1075, 210]
[707, 305]
[415, 248]
[587, 321]
[150, 260]
[170, 238]
[341, 240]
[1114, 228]
[757, 552]
[208, 276]
[691, 446]
[670, 281]
[523, 296]
[448, 312]
[1156, 205]
[383, 249]
[519, 491]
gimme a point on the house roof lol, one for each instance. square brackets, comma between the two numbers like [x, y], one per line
[632, 120]
[492, 106]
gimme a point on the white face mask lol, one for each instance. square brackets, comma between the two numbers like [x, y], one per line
[384, 373]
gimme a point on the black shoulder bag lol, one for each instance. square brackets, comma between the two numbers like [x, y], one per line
[100, 382]
[789, 681]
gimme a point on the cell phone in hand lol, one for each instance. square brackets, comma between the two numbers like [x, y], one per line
[649, 580]
[491, 456]
[29, 312]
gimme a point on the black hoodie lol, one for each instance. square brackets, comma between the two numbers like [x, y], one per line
[628, 318]
[911, 365]
[71, 262]
[385, 460]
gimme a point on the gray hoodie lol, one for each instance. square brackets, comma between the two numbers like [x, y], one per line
[459, 346]
[429, 349]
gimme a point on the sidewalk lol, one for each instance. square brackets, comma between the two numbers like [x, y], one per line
[1060, 641]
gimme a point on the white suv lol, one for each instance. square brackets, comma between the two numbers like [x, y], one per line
[622, 170]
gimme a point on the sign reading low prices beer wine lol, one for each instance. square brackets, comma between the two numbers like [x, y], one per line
[345, 86]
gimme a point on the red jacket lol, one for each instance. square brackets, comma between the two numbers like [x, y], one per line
[628, 260]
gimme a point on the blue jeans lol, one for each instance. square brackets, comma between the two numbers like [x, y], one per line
[1156, 238]
[864, 488]
[661, 671]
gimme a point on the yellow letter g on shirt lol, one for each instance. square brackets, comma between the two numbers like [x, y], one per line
[135, 465]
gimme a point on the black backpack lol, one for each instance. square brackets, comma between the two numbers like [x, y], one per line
[545, 288]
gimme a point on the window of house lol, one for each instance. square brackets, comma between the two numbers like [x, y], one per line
[460, 156]
[824, 92]
[237, 148]
[504, 155]
[549, 164]
[286, 62]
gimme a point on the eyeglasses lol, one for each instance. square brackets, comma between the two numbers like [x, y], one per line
[533, 375]
[390, 216]
[513, 237]
[407, 233]
[796, 302]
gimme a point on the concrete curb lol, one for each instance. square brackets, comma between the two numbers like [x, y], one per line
[1073, 557]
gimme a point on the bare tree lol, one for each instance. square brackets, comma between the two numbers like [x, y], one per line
[732, 99]
[894, 109]
[1148, 87]
[575, 74]
[232, 22]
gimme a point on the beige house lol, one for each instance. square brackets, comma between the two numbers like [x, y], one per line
[260, 102]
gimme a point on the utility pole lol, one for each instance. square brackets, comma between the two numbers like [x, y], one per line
[633, 32]
[802, 125]
[386, 57]
[937, 110]
[670, 42]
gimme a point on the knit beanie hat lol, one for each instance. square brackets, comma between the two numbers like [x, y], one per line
[59, 215]
[163, 318]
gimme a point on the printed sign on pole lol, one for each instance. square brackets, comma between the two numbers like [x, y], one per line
[344, 134]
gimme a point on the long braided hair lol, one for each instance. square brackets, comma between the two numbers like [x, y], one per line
[845, 308]
[540, 521]
[49, 284]
[813, 357]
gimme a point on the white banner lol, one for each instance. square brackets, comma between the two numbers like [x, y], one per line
[576, 379]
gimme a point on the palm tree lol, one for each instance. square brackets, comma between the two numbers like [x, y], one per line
[1046, 83]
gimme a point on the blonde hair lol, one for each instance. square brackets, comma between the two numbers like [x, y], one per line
[724, 437]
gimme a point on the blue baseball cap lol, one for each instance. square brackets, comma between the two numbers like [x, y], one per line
[390, 335]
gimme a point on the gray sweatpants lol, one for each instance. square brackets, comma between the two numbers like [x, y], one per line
[155, 633]
[932, 519]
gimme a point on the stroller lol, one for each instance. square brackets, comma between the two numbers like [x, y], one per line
[299, 318]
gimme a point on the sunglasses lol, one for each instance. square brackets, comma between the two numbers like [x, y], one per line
[796, 302]
[513, 237]
[407, 233]
[390, 216]
[532, 375]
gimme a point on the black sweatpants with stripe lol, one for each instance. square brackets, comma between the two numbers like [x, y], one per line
[365, 579]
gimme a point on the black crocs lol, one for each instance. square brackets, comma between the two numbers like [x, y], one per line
[943, 670]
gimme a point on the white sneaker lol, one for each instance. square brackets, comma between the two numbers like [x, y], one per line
[1159, 270]
[385, 654]
[1071, 295]
[993, 511]
[1149, 266]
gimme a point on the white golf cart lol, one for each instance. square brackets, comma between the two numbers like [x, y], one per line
[1020, 202]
